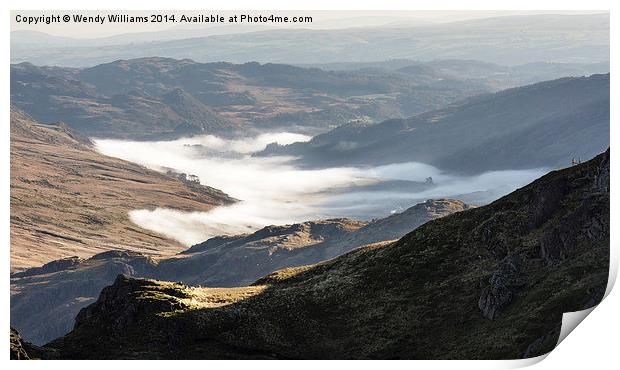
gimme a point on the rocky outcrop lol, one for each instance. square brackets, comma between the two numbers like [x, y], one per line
[602, 174]
[18, 352]
[22, 350]
[501, 287]
[553, 246]
[119, 294]
[50, 267]
[44, 302]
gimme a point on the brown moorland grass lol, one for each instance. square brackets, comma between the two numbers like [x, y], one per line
[69, 200]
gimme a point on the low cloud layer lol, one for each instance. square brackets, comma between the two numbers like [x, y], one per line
[272, 191]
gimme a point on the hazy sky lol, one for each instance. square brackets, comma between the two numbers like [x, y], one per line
[321, 19]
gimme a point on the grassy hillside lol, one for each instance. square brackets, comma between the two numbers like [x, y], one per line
[68, 200]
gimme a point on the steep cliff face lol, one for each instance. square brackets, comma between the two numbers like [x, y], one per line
[490, 282]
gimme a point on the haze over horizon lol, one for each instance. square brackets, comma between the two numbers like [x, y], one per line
[322, 20]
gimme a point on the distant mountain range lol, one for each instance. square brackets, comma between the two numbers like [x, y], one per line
[26, 39]
[547, 124]
[155, 98]
[488, 283]
[506, 40]
[158, 97]
[488, 74]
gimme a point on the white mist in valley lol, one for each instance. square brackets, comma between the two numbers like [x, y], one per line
[273, 191]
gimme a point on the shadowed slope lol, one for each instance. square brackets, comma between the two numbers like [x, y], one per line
[46, 299]
[543, 125]
[490, 282]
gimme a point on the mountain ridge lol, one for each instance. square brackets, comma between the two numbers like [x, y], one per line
[565, 118]
[508, 269]
[60, 288]
[156, 97]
